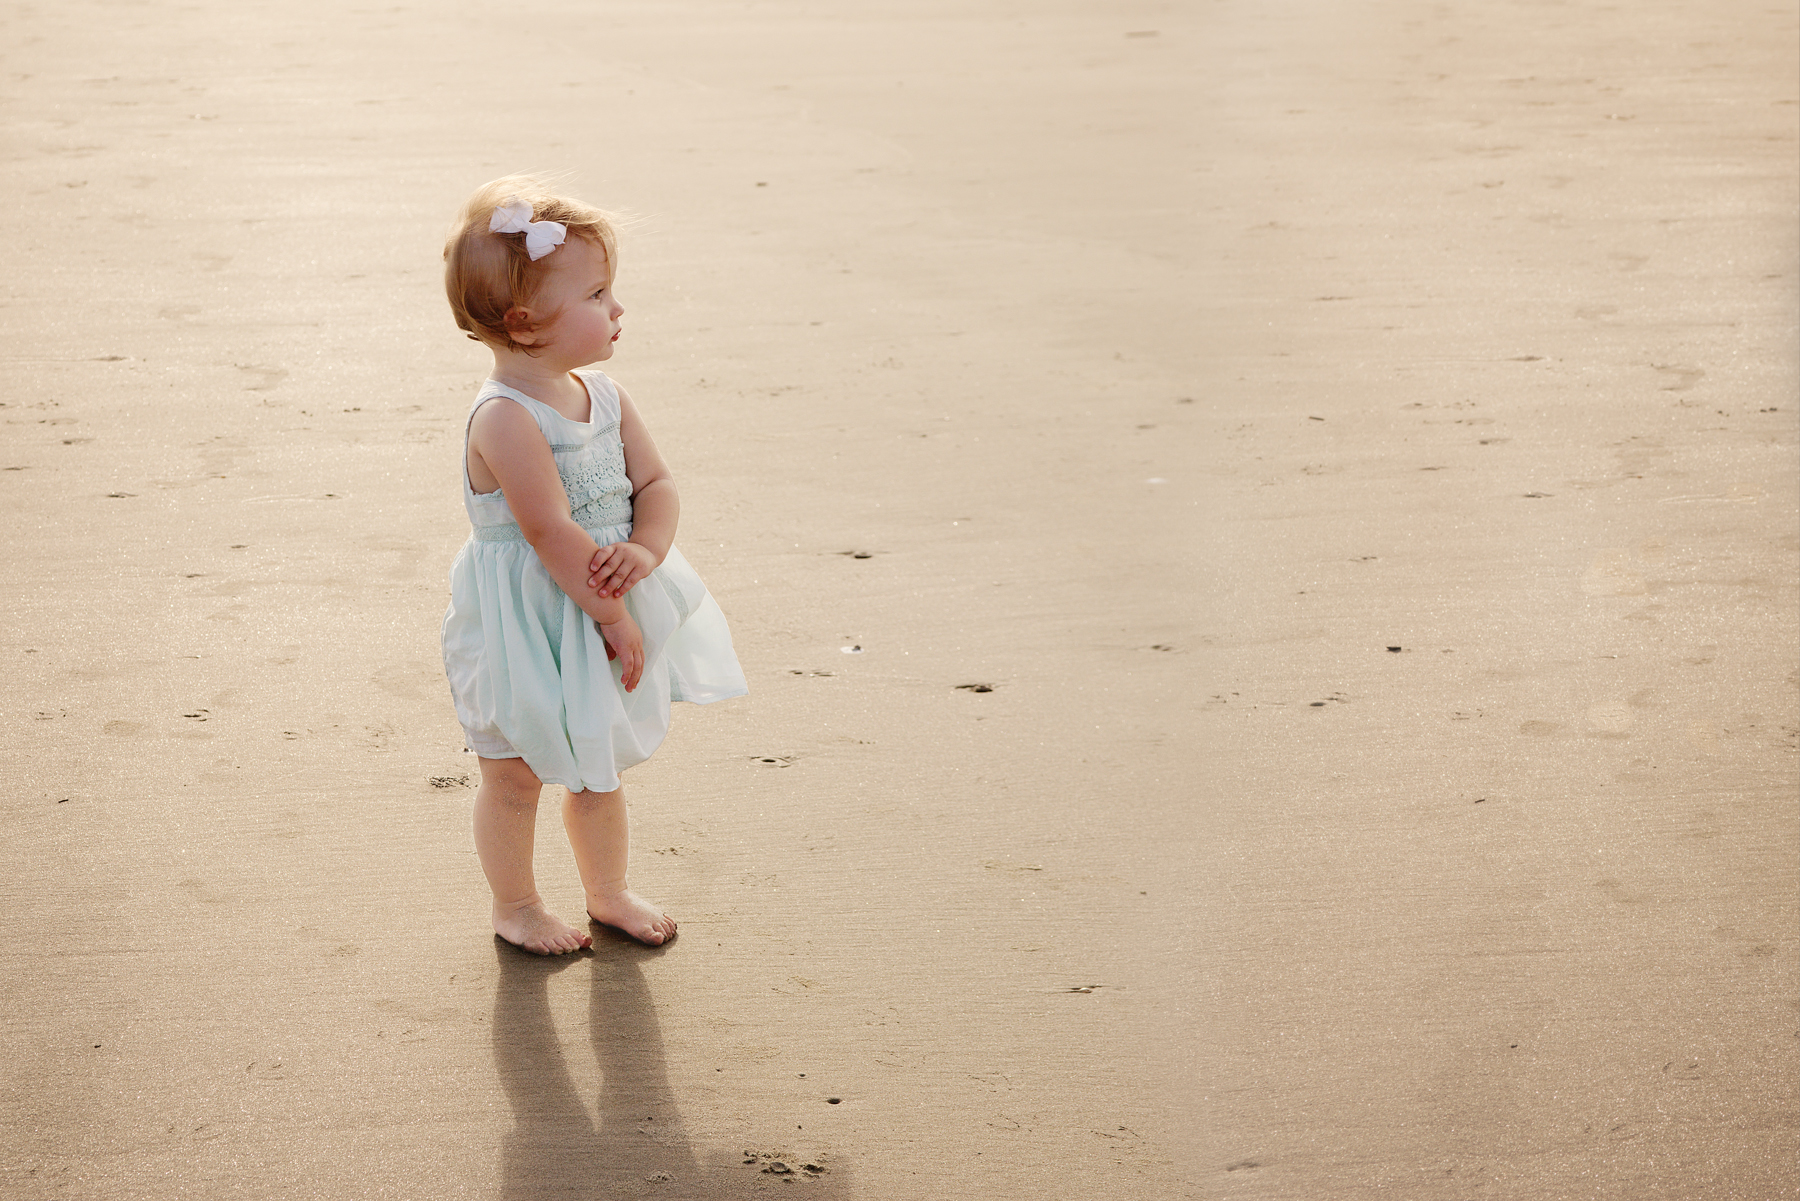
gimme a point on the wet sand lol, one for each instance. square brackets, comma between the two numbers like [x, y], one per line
[1349, 447]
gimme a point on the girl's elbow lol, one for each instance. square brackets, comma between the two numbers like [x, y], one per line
[661, 485]
[539, 530]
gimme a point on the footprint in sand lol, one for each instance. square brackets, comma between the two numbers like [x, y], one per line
[1618, 892]
[1610, 719]
[1685, 377]
[266, 378]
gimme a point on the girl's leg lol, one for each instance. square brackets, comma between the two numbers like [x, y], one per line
[505, 826]
[596, 822]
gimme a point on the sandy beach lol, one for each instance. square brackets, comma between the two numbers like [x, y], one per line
[1264, 538]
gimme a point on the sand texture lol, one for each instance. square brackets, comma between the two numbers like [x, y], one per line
[1313, 486]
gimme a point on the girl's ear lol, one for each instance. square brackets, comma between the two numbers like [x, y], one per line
[520, 326]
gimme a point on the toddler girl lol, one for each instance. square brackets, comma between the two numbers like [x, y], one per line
[570, 563]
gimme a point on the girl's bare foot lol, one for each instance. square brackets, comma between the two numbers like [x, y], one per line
[625, 910]
[531, 927]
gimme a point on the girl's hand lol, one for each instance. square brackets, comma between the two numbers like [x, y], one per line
[625, 642]
[617, 567]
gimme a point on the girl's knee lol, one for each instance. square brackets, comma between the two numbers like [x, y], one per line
[585, 801]
[512, 779]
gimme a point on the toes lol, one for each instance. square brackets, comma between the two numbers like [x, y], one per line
[557, 944]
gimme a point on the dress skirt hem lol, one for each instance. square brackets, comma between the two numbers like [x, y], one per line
[529, 673]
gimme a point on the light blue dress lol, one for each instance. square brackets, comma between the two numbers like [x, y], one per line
[527, 668]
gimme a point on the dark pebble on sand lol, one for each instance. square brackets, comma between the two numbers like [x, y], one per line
[1393, 650]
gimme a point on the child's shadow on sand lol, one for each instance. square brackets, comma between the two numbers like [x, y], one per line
[638, 1147]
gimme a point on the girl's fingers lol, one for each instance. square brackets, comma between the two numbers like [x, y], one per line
[607, 560]
[627, 579]
[615, 570]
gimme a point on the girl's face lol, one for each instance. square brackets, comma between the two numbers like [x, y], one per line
[578, 290]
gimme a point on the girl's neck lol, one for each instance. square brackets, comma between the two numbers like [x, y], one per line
[546, 381]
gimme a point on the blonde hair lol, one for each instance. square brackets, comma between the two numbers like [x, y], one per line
[485, 274]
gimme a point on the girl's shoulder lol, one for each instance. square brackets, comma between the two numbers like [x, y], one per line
[503, 418]
[497, 405]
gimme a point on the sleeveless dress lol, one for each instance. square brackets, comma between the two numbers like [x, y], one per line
[527, 668]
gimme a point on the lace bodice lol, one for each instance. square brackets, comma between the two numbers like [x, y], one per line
[589, 456]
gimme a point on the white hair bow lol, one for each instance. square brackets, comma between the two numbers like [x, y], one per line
[541, 237]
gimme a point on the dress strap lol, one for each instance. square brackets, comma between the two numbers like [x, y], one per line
[492, 388]
[603, 395]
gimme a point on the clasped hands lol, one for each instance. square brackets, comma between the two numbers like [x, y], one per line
[617, 567]
[613, 572]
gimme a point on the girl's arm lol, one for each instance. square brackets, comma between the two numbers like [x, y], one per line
[509, 442]
[655, 509]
